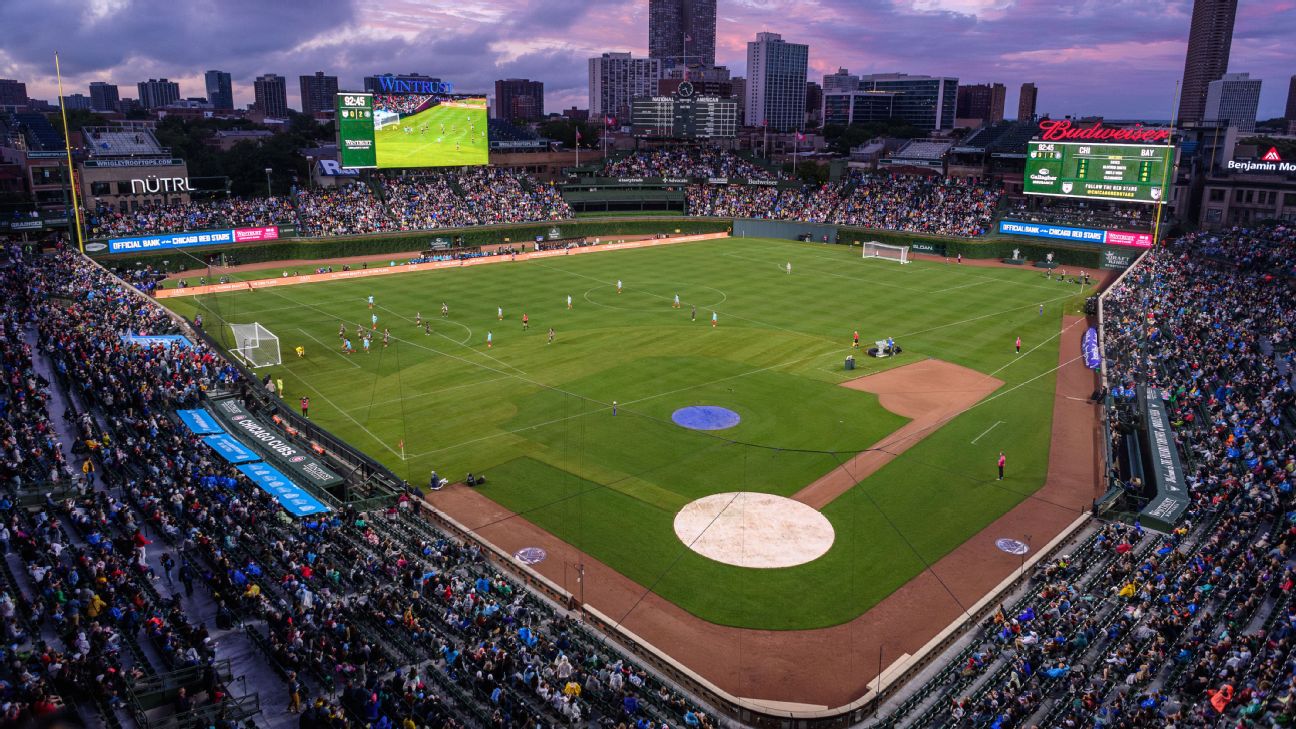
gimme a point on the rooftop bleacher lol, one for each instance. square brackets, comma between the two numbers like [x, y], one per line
[112, 142]
[924, 149]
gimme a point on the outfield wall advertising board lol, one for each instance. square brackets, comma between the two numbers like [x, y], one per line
[1076, 235]
[1133, 173]
[145, 243]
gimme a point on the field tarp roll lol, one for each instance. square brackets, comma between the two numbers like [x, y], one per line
[199, 422]
[290, 496]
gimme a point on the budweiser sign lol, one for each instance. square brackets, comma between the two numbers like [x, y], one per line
[1060, 130]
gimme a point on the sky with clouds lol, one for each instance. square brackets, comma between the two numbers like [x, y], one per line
[1108, 57]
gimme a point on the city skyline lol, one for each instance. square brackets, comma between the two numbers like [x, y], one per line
[1109, 61]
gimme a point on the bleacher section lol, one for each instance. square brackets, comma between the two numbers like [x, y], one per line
[37, 132]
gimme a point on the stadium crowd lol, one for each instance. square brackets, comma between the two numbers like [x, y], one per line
[691, 162]
[1083, 213]
[371, 619]
[177, 217]
[347, 210]
[1196, 627]
[402, 104]
[918, 204]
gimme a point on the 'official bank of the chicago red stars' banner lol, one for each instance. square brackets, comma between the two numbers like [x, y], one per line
[1062, 130]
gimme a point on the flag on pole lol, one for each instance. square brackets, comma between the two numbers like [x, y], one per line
[578, 136]
[611, 121]
[800, 137]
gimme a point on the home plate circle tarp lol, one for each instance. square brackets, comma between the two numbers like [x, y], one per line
[705, 417]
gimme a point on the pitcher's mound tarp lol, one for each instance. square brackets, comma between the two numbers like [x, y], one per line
[705, 417]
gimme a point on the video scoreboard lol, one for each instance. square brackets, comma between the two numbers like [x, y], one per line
[1135, 173]
[685, 116]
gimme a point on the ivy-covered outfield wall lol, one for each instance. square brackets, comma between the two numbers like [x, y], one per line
[322, 249]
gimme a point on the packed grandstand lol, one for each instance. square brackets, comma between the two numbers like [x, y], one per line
[379, 619]
[486, 196]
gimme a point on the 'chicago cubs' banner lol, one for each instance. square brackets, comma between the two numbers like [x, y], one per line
[1089, 345]
[277, 446]
[230, 449]
[289, 495]
[200, 422]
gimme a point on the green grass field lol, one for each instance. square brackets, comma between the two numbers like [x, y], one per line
[427, 145]
[535, 417]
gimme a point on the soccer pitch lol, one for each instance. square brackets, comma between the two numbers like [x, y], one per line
[463, 141]
[536, 418]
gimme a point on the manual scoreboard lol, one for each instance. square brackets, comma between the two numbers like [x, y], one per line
[685, 116]
[1136, 173]
[355, 124]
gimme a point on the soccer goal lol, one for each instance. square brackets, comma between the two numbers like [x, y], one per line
[384, 118]
[873, 249]
[255, 345]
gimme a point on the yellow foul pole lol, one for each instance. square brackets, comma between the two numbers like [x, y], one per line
[67, 145]
[1165, 175]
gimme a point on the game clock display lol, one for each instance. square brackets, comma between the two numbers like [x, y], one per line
[1116, 172]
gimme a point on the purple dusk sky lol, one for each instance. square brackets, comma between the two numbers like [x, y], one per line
[1118, 59]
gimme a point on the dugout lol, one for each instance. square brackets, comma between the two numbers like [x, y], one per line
[791, 230]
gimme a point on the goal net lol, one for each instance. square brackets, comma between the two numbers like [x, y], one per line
[384, 118]
[873, 249]
[255, 344]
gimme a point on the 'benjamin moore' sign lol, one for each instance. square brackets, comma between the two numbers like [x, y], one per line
[166, 241]
[304, 466]
[289, 495]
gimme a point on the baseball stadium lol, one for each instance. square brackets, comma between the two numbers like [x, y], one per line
[667, 434]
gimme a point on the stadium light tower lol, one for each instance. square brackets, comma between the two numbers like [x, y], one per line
[268, 192]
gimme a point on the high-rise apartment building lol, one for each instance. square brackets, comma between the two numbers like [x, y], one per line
[1026, 102]
[76, 102]
[1209, 40]
[983, 102]
[519, 99]
[926, 102]
[1290, 114]
[682, 32]
[615, 79]
[776, 82]
[220, 89]
[843, 80]
[12, 93]
[104, 96]
[271, 93]
[318, 93]
[1233, 98]
[157, 93]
